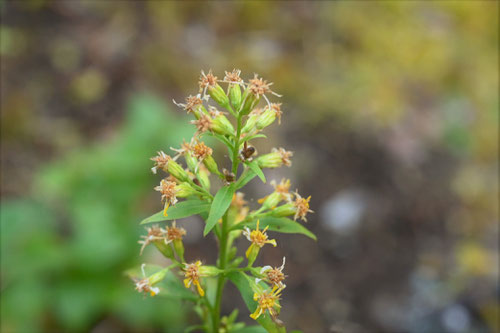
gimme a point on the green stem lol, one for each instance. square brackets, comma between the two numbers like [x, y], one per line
[221, 278]
[236, 160]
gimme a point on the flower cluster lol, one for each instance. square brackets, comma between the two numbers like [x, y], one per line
[247, 112]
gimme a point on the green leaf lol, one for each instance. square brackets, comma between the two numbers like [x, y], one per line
[279, 224]
[241, 281]
[251, 329]
[222, 139]
[256, 169]
[245, 177]
[221, 203]
[180, 210]
[251, 137]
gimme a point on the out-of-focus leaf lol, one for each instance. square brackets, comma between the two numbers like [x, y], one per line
[245, 177]
[257, 170]
[221, 203]
[279, 224]
[180, 210]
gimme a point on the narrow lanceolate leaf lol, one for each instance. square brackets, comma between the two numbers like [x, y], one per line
[257, 170]
[241, 281]
[245, 177]
[221, 203]
[279, 224]
[251, 137]
[179, 211]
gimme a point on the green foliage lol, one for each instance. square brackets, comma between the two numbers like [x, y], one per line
[279, 224]
[219, 206]
[73, 279]
[181, 210]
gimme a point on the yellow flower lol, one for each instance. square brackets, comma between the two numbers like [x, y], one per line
[258, 239]
[267, 300]
[192, 274]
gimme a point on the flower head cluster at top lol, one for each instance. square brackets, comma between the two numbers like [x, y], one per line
[190, 172]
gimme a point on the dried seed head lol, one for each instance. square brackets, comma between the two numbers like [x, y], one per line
[285, 155]
[168, 190]
[233, 77]
[191, 103]
[276, 107]
[161, 161]
[274, 275]
[155, 233]
[174, 233]
[203, 124]
[201, 151]
[301, 206]
[207, 80]
[283, 189]
[259, 86]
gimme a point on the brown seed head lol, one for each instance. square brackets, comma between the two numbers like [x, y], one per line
[203, 124]
[233, 77]
[258, 86]
[191, 103]
[207, 80]
[174, 233]
[161, 161]
[201, 151]
[285, 155]
[168, 191]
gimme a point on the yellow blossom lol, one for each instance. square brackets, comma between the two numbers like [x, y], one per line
[267, 300]
[192, 276]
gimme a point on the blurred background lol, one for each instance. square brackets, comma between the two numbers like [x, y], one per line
[391, 109]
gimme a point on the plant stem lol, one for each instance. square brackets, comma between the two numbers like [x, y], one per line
[236, 160]
[221, 279]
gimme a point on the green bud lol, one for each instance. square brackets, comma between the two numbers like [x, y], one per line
[204, 178]
[218, 95]
[157, 277]
[271, 160]
[252, 253]
[251, 122]
[179, 248]
[221, 125]
[272, 200]
[191, 161]
[284, 210]
[231, 254]
[211, 165]
[165, 249]
[185, 190]
[177, 171]
[209, 270]
[250, 101]
[235, 96]
[266, 119]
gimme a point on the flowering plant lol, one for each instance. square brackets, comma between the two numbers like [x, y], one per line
[227, 215]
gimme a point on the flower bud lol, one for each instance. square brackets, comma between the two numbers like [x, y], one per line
[179, 248]
[271, 201]
[164, 248]
[218, 95]
[191, 161]
[177, 171]
[252, 253]
[209, 270]
[275, 159]
[269, 116]
[284, 210]
[251, 122]
[250, 101]
[157, 277]
[211, 165]
[271, 160]
[221, 125]
[185, 190]
[203, 177]
[235, 96]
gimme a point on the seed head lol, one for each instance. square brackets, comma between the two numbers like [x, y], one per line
[174, 233]
[161, 161]
[285, 155]
[302, 207]
[233, 77]
[207, 80]
[201, 151]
